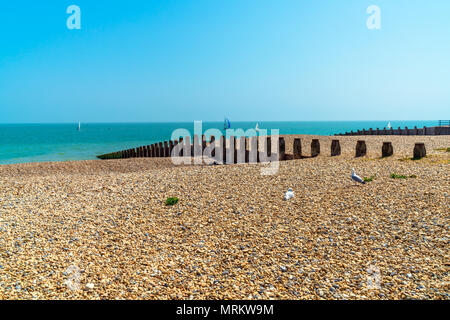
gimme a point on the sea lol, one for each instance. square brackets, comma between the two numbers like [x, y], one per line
[22, 143]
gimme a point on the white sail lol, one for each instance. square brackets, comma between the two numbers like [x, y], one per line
[389, 125]
[79, 126]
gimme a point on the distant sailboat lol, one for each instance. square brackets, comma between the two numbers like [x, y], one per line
[79, 126]
[389, 125]
[226, 124]
[257, 128]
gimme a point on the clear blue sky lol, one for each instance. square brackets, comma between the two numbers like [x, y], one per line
[205, 59]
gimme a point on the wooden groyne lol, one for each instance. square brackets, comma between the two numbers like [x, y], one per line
[425, 131]
[251, 150]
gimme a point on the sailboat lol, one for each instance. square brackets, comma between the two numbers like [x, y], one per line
[226, 124]
[79, 126]
[389, 125]
[257, 127]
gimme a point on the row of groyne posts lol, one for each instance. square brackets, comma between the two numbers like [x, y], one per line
[442, 129]
[250, 150]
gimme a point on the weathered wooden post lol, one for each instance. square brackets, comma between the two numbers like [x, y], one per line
[297, 148]
[223, 145]
[187, 148]
[419, 151]
[197, 148]
[335, 148]
[154, 150]
[174, 144]
[378, 132]
[424, 130]
[166, 149]
[253, 156]
[161, 149]
[182, 146]
[361, 148]
[247, 150]
[265, 149]
[212, 143]
[281, 152]
[416, 131]
[315, 147]
[171, 145]
[203, 143]
[230, 156]
[370, 131]
[240, 152]
[387, 150]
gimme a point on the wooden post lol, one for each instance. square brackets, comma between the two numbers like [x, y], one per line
[281, 152]
[212, 141]
[361, 148]
[335, 148]
[387, 150]
[161, 149]
[239, 153]
[171, 145]
[187, 148]
[315, 147]
[223, 145]
[253, 154]
[247, 150]
[182, 146]
[166, 149]
[419, 151]
[297, 148]
[203, 143]
[230, 150]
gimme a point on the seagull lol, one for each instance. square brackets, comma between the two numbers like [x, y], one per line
[357, 178]
[289, 194]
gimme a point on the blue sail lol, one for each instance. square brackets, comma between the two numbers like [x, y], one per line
[227, 124]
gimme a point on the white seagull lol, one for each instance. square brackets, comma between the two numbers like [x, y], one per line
[289, 194]
[357, 178]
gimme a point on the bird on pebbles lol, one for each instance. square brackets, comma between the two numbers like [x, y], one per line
[357, 178]
[289, 194]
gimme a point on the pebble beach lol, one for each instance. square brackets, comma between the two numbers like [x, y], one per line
[101, 230]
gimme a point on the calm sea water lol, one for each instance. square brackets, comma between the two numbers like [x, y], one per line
[21, 143]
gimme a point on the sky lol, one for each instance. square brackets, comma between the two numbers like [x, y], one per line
[248, 60]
